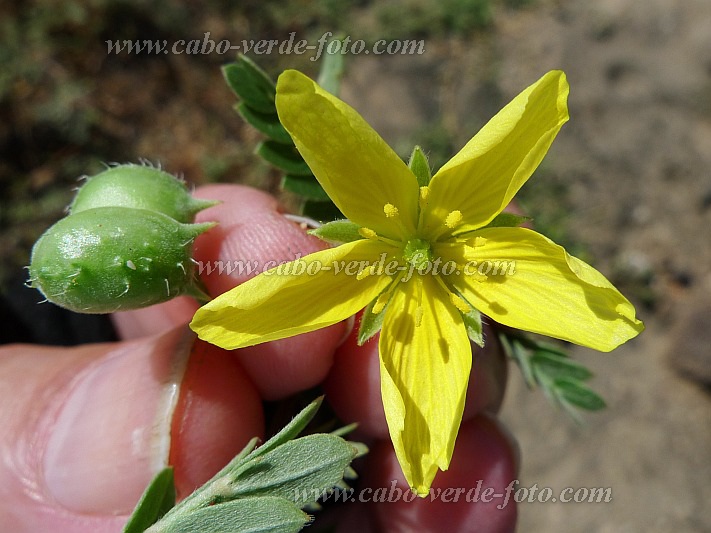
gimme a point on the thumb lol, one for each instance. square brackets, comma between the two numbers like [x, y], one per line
[85, 429]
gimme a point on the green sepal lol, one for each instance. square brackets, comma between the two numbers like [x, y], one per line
[157, 499]
[299, 470]
[264, 514]
[321, 211]
[305, 186]
[251, 84]
[420, 167]
[284, 157]
[338, 232]
[332, 67]
[267, 123]
[507, 220]
[472, 321]
[198, 290]
[370, 323]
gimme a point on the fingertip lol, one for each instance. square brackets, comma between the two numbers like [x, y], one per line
[252, 235]
[284, 367]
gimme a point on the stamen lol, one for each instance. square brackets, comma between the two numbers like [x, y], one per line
[422, 204]
[453, 219]
[368, 233]
[459, 303]
[418, 310]
[380, 303]
[364, 273]
[390, 211]
[418, 316]
[384, 297]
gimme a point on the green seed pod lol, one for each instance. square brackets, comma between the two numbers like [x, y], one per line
[142, 187]
[115, 258]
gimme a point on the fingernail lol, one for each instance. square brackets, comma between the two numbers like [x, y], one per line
[112, 434]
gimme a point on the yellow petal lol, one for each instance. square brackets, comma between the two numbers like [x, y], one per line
[311, 293]
[533, 284]
[424, 372]
[353, 164]
[485, 175]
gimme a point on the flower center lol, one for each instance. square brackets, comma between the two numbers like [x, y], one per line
[418, 253]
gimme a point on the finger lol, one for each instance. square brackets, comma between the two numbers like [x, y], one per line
[86, 428]
[251, 233]
[469, 497]
[356, 368]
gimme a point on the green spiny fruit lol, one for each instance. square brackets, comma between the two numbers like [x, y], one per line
[109, 259]
[142, 187]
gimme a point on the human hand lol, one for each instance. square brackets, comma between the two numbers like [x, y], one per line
[86, 428]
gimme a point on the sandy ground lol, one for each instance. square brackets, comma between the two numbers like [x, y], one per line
[634, 164]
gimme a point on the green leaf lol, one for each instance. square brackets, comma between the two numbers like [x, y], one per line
[338, 231]
[304, 186]
[158, 499]
[420, 167]
[579, 395]
[554, 365]
[284, 157]
[292, 429]
[267, 123]
[321, 211]
[266, 514]
[507, 220]
[370, 323]
[329, 77]
[251, 84]
[300, 470]
[559, 377]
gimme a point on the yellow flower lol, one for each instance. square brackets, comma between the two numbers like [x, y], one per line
[429, 258]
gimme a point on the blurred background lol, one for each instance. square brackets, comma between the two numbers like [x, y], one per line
[626, 186]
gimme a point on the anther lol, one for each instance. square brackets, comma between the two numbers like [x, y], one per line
[364, 273]
[459, 303]
[424, 193]
[380, 303]
[453, 219]
[390, 210]
[367, 233]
